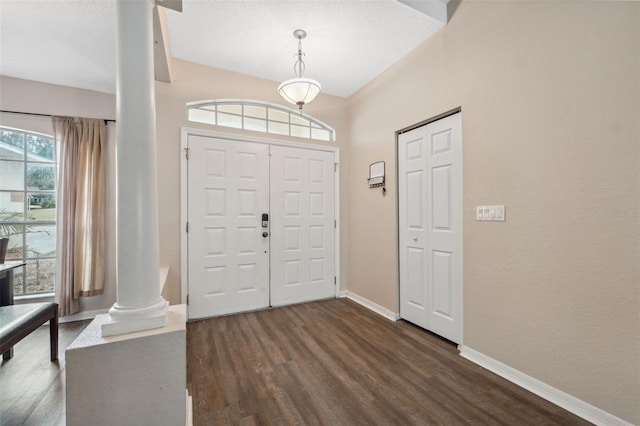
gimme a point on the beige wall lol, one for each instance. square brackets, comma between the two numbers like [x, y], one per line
[194, 82]
[549, 93]
[42, 98]
[191, 82]
[551, 128]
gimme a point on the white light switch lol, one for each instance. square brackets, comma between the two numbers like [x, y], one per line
[491, 213]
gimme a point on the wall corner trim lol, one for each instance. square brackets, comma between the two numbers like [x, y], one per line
[393, 316]
[570, 403]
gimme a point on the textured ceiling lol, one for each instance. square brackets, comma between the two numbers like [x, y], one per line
[349, 41]
[72, 43]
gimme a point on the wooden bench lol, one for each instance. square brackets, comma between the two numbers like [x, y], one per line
[18, 321]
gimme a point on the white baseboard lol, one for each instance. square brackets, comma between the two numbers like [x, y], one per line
[189, 410]
[393, 316]
[570, 403]
[81, 316]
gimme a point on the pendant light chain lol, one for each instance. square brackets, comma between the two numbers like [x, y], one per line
[299, 67]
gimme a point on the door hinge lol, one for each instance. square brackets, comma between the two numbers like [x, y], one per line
[187, 227]
[187, 153]
[335, 280]
[335, 224]
[187, 299]
[335, 167]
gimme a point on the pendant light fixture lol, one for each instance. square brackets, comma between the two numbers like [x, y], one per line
[299, 90]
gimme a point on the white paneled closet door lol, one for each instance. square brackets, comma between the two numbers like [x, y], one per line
[430, 226]
[412, 220]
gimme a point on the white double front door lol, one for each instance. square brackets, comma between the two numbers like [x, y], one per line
[238, 262]
[430, 226]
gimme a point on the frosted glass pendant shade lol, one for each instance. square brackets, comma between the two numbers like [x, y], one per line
[299, 91]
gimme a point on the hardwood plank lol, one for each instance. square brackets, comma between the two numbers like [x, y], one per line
[330, 362]
[335, 362]
[32, 390]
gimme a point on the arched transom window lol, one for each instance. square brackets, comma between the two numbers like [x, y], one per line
[259, 117]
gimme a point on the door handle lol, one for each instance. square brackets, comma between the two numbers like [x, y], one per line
[265, 234]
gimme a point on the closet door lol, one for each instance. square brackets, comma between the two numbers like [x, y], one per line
[412, 220]
[302, 225]
[228, 191]
[430, 221]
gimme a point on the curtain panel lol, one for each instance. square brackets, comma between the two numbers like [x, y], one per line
[81, 210]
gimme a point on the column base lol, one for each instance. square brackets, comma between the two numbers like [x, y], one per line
[133, 379]
[129, 320]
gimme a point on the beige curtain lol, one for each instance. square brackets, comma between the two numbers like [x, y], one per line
[81, 210]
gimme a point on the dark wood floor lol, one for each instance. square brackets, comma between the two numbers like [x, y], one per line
[32, 388]
[334, 362]
[330, 362]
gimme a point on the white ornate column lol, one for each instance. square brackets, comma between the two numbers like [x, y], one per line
[115, 376]
[139, 305]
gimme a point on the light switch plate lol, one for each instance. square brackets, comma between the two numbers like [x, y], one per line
[495, 213]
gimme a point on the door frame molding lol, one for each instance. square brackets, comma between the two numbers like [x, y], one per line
[185, 132]
[424, 123]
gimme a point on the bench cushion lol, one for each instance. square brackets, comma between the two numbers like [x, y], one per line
[13, 318]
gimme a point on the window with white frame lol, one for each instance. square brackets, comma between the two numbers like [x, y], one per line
[28, 207]
[259, 117]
